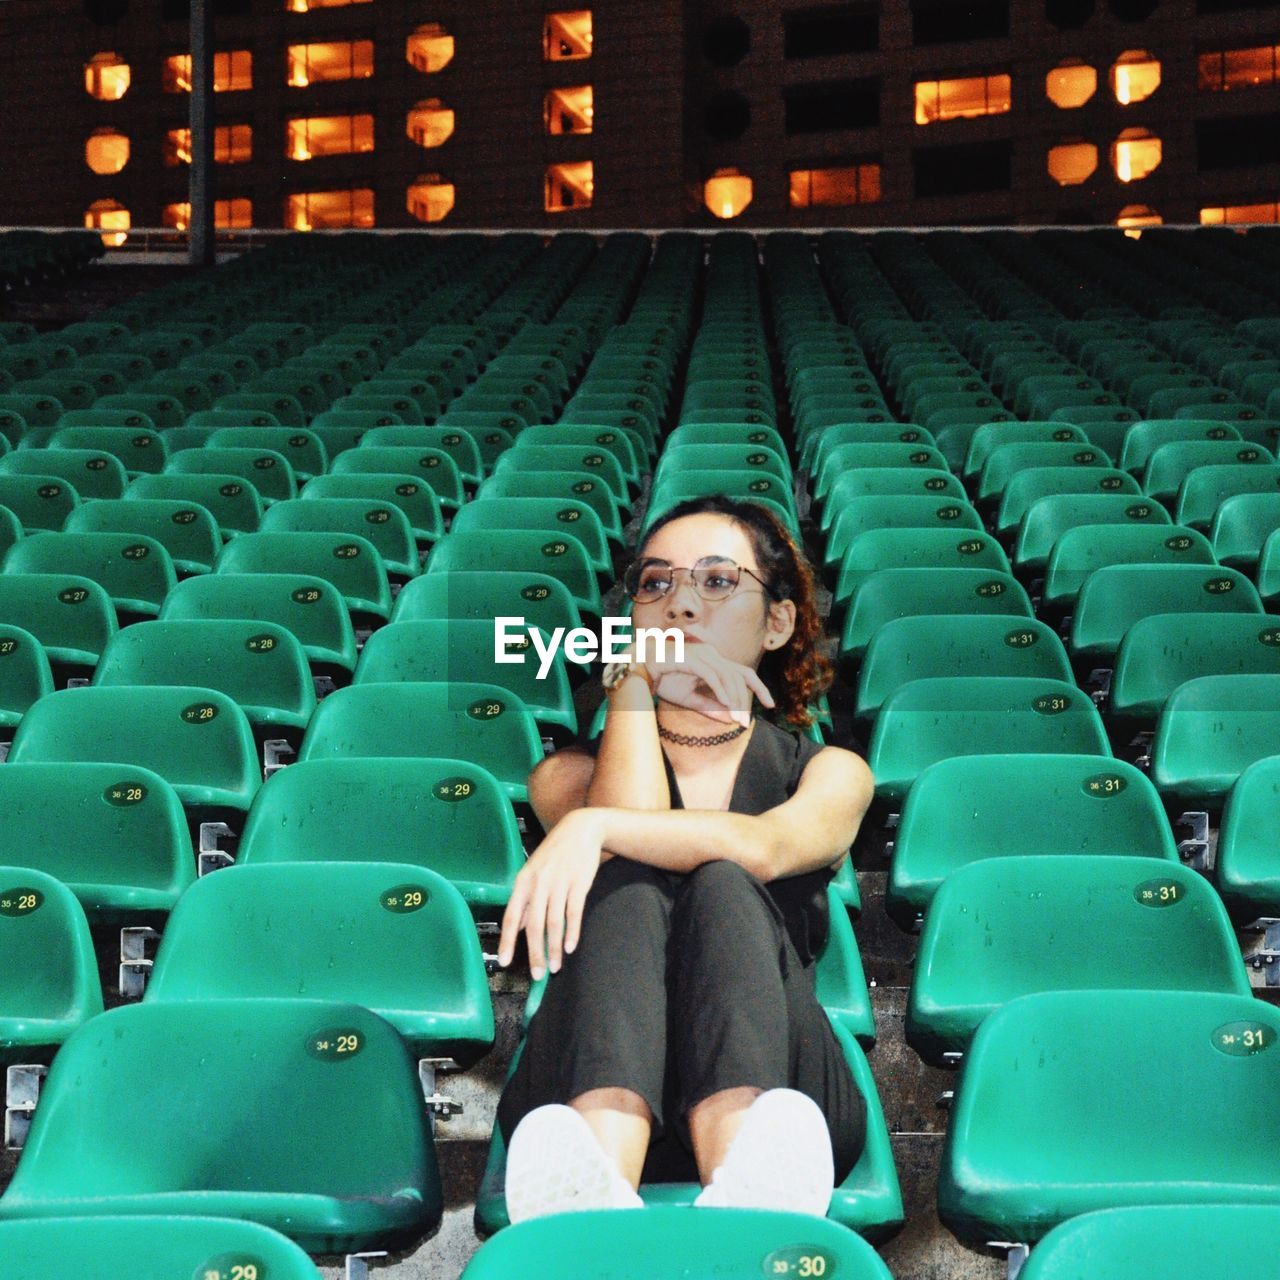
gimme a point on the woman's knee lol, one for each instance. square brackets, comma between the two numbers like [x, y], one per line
[721, 888]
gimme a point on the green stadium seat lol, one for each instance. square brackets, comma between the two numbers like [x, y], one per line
[139, 449]
[869, 1200]
[383, 524]
[1144, 438]
[522, 551]
[1170, 464]
[187, 386]
[1161, 651]
[562, 458]
[493, 434]
[729, 457]
[333, 1151]
[876, 481]
[286, 409]
[159, 1248]
[304, 449]
[350, 564]
[1116, 596]
[49, 982]
[460, 443]
[935, 718]
[669, 1241]
[24, 673]
[268, 471]
[901, 593]
[114, 834]
[25, 410]
[1038, 482]
[820, 443]
[163, 410]
[854, 457]
[308, 607]
[877, 549]
[1197, 1242]
[677, 487]
[1241, 525]
[1206, 488]
[1081, 551]
[1029, 1149]
[1048, 518]
[186, 530]
[434, 467]
[971, 807]
[135, 570]
[481, 723]
[412, 495]
[1248, 870]
[896, 511]
[198, 740]
[627, 447]
[728, 433]
[296, 384]
[914, 648]
[69, 389]
[1210, 730]
[549, 515]
[987, 439]
[393, 937]
[233, 502]
[92, 473]
[1008, 460]
[577, 486]
[453, 649]
[406, 407]
[258, 664]
[71, 617]
[1001, 928]
[373, 811]
[543, 601]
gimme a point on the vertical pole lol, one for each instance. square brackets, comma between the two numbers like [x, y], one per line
[201, 123]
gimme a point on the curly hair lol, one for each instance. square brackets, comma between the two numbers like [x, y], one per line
[797, 673]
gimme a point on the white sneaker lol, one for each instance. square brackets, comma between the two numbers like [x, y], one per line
[780, 1159]
[556, 1165]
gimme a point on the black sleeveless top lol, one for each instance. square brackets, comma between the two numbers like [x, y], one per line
[768, 775]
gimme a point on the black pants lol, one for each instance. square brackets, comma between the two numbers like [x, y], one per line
[680, 987]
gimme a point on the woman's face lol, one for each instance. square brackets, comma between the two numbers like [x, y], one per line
[745, 625]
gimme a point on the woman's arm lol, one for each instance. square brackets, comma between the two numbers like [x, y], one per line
[811, 830]
[627, 770]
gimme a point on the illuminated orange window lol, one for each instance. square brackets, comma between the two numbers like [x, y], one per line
[1135, 154]
[569, 186]
[1071, 163]
[1070, 85]
[1237, 68]
[305, 6]
[232, 71]
[1236, 213]
[569, 110]
[232, 144]
[430, 199]
[1133, 217]
[318, 210]
[336, 60]
[429, 48]
[835, 188]
[328, 136]
[1135, 76]
[106, 151]
[111, 218]
[567, 36]
[430, 123]
[938, 100]
[227, 215]
[107, 77]
[727, 193]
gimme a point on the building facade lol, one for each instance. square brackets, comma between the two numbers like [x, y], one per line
[491, 113]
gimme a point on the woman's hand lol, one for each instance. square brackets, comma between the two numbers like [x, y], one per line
[709, 683]
[551, 890]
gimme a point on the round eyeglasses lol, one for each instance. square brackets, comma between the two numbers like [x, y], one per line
[713, 577]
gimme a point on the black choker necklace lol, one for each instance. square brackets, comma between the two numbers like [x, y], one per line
[685, 740]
